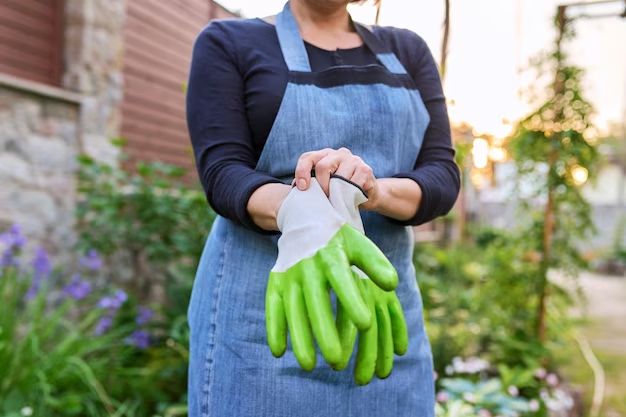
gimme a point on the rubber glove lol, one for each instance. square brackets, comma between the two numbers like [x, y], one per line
[315, 253]
[388, 333]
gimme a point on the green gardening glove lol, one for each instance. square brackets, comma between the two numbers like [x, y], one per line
[315, 253]
[388, 333]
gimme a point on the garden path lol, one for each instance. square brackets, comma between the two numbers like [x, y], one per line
[606, 331]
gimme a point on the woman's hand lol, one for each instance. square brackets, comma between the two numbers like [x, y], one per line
[340, 162]
[398, 198]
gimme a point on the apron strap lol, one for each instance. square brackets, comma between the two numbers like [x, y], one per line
[297, 59]
[291, 42]
[387, 58]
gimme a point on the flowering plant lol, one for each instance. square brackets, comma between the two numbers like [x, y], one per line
[472, 387]
[60, 340]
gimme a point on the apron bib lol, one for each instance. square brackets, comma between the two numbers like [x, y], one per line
[377, 113]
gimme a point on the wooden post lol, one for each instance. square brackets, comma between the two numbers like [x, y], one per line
[378, 6]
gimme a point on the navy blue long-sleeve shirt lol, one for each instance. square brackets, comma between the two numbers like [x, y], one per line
[237, 80]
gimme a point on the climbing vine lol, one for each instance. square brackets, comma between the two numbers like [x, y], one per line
[555, 151]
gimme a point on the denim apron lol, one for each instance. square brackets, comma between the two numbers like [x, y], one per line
[377, 113]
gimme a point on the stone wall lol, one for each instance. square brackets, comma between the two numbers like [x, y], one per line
[43, 128]
[94, 48]
[38, 146]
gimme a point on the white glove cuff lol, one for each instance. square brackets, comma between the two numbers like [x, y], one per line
[346, 197]
[308, 222]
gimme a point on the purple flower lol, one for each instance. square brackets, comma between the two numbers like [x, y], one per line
[92, 261]
[541, 373]
[32, 291]
[552, 380]
[78, 289]
[143, 315]
[113, 302]
[106, 302]
[42, 267]
[513, 391]
[13, 240]
[139, 338]
[13, 237]
[533, 405]
[7, 258]
[41, 264]
[442, 397]
[103, 325]
[121, 296]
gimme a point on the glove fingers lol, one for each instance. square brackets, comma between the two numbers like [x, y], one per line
[341, 281]
[364, 254]
[347, 336]
[366, 356]
[398, 327]
[384, 362]
[321, 316]
[275, 322]
[299, 327]
[368, 344]
[347, 332]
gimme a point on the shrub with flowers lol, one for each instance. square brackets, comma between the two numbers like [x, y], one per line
[65, 347]
[473, 387]
[149, 225]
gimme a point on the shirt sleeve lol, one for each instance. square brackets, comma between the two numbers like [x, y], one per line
[435, 170]
[218, 128]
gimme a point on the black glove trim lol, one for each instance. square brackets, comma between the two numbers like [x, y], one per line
[293, 183]
[349, 182]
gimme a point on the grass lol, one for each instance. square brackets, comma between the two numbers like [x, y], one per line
[612, 358]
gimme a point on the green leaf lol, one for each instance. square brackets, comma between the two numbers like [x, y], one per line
[119, 142]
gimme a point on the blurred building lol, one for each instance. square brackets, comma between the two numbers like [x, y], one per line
[494, 200]
[73, 75]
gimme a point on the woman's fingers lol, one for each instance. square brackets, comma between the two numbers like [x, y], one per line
[305, 164]
[363, 176]
[330, 164]
[329, 161]
[348, 168]
[327, 166]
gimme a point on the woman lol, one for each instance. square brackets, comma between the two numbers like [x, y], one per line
[268, 101]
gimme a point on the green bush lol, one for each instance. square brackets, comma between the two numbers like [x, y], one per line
[148, 216]
[480, 299]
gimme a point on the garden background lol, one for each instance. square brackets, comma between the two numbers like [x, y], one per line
[102, 220]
